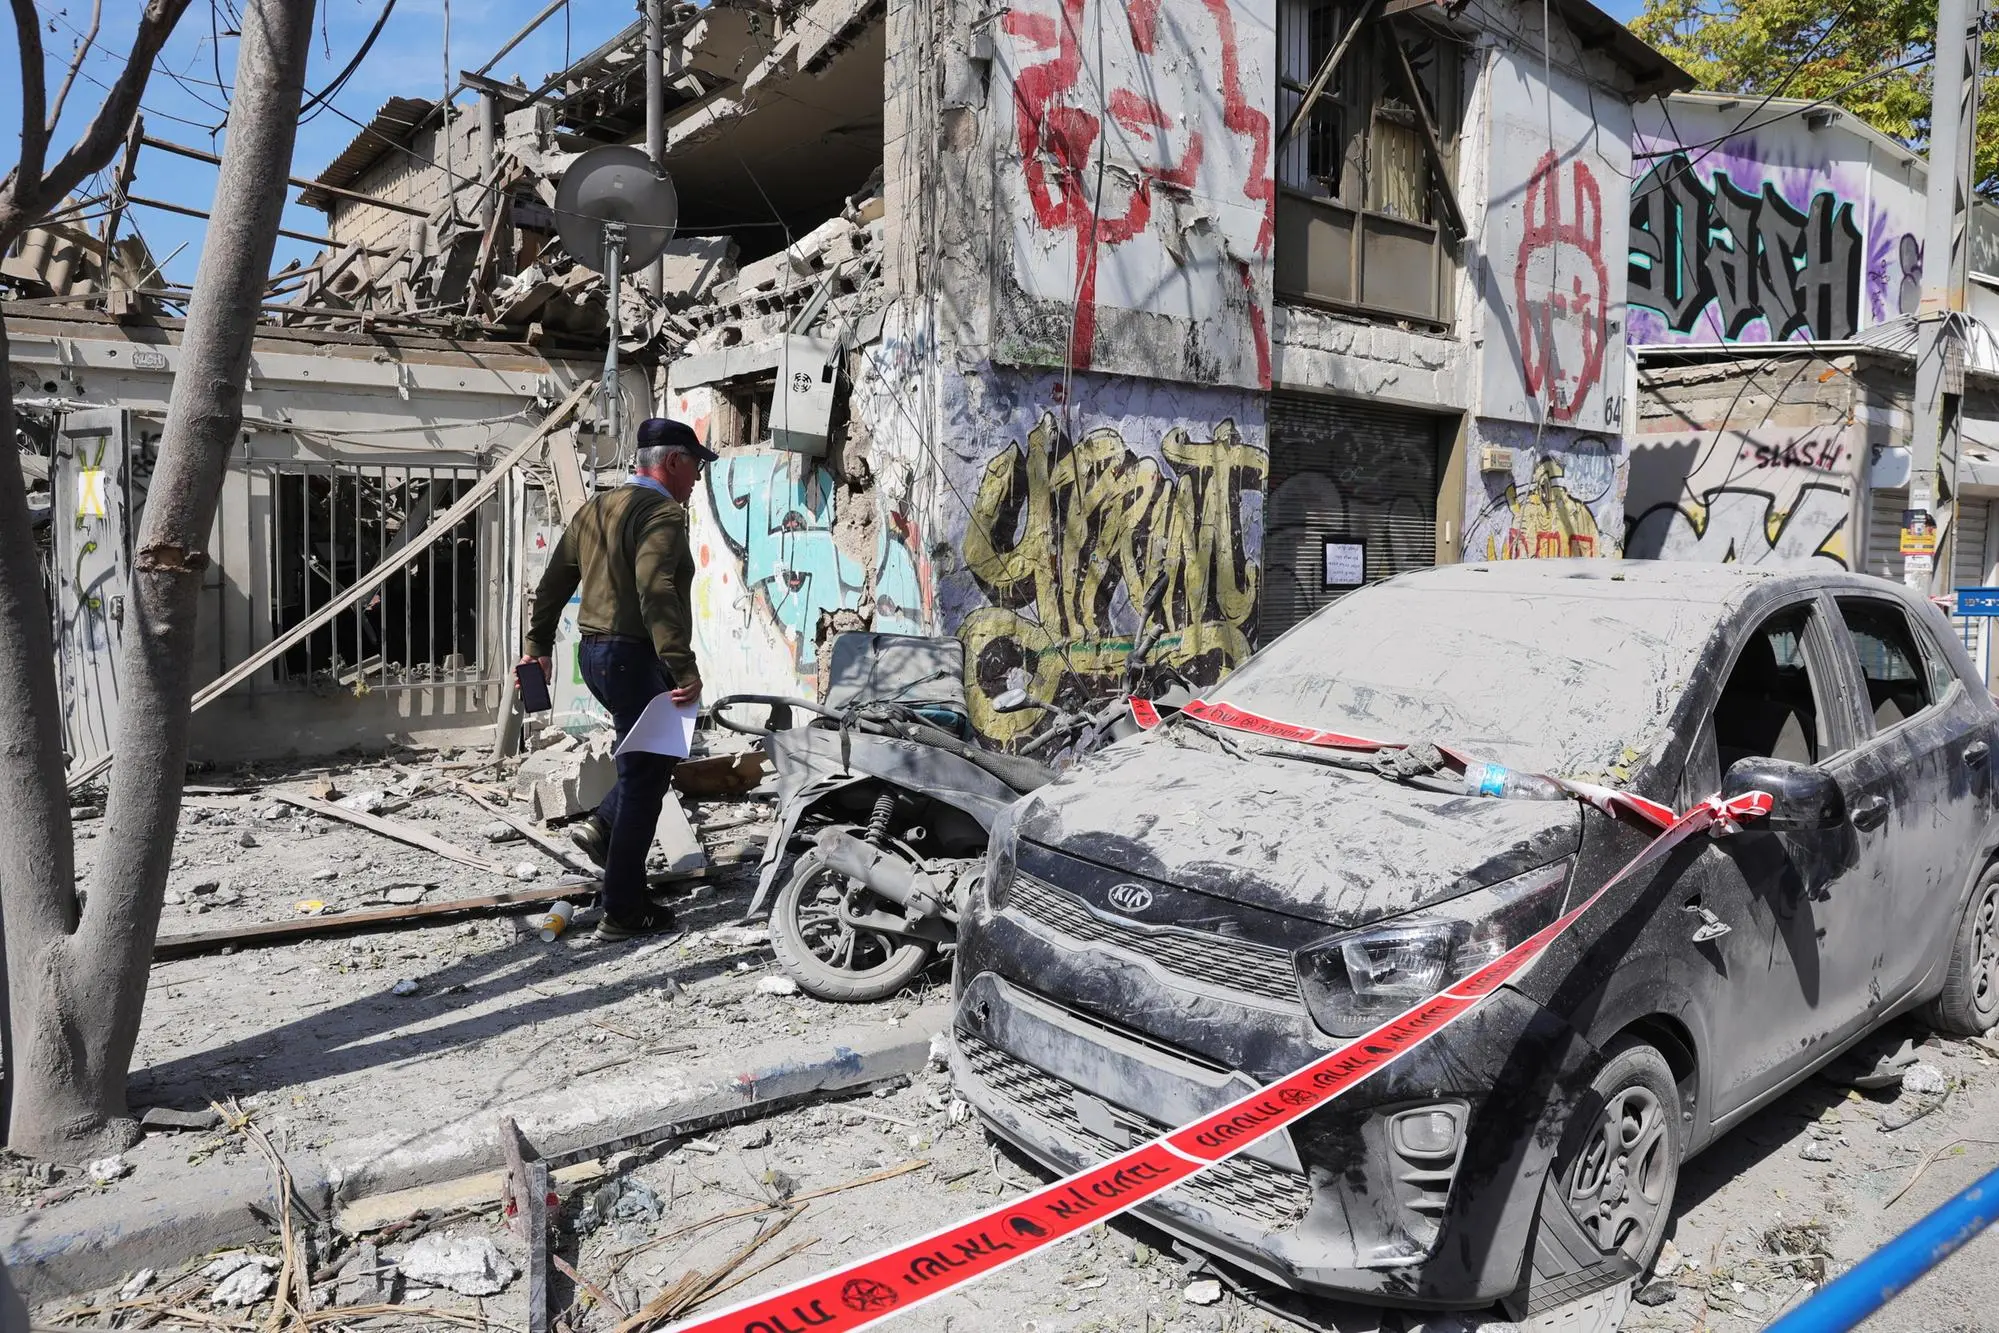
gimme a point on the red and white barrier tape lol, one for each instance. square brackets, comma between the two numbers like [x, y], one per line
[909, 1275]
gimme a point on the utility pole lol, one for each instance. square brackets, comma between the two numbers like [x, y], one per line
[1940, 339]
[655, 113]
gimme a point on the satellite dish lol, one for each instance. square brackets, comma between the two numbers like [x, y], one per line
[615, 211]
[616, 184]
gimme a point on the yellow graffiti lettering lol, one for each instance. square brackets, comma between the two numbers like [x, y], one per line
[1058, 530]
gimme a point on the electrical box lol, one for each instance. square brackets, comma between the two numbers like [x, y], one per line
[1495, 458]
[801, 409]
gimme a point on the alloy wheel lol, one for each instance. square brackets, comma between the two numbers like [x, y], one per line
[1621, 1181]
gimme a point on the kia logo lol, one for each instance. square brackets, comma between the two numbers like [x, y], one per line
[1130, 897]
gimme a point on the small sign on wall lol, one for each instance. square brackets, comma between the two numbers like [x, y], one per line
[1346, 563]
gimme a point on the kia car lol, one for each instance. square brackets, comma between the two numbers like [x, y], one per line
[1197, 911]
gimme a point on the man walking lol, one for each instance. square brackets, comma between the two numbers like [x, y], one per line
[628, 549]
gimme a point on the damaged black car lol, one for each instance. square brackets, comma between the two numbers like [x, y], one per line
[1198, 911]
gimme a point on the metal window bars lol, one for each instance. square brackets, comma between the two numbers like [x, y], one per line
[429, 622]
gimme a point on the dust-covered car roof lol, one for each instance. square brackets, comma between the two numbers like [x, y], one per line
[1570, 667]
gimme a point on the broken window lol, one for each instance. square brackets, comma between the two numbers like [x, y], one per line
[1772, 705]
[1898, 677]
[424, 624]
[1366, 217]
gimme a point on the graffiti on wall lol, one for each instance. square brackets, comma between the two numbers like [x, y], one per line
[1562, 330]
[1553, 325]
[1145, 171]
[1064, 539]
[1718, 253]
[775, 512]
[1766, 495]
[1559, 500]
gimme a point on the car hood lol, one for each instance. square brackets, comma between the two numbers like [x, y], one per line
[1329, 845]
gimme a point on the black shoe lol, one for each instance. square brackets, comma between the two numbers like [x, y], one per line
[653, 920]
[590, 836]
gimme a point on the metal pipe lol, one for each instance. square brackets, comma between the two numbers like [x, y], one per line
[521, 36]
[884, 872]
[1953, 115]
[655, 114]
[353, 195]
[614, 256]
[1880, 1277]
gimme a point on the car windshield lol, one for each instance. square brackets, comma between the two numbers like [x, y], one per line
[1574, 684]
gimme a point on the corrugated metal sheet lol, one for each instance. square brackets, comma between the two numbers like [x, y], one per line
[391, 127]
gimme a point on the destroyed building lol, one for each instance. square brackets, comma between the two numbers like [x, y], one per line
[993, 318]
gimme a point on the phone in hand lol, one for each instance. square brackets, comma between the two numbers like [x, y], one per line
[534, 688]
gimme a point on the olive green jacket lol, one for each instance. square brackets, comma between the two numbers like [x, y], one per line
[628, 549]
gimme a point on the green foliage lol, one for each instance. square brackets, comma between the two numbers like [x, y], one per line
[1832, 49]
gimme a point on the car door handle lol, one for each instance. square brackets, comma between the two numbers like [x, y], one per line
[1976, 752]
[1870, 812]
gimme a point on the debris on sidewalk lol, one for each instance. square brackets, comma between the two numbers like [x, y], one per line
[467, 1264]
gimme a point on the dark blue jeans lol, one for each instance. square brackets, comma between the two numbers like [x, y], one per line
[625, 676]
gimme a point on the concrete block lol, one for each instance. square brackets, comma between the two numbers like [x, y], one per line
[675, 840]
[692, 266]
[566, 783]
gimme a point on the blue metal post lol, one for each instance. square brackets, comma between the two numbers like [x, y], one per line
[1882, 1275]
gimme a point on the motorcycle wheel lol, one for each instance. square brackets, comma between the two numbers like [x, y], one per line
[829, 958]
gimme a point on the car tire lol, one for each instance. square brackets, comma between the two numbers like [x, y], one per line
[830, 960]
[1969, 1003]
[1620, 1164]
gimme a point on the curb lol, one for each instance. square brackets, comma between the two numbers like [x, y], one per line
[173, 1211]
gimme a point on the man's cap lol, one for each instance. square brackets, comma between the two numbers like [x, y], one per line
[659, 432]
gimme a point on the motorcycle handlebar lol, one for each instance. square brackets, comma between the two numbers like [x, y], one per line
[780, 705]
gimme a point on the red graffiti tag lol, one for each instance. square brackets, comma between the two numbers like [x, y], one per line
[1058, 138]
[1561, 337]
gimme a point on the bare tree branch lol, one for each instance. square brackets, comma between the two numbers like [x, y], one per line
[94, 147]
[76, 65]
[25, 185]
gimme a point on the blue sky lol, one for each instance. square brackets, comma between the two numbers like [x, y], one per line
[183, 104]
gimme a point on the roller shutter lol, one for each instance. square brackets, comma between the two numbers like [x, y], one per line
[1343, 470]
[1884, 534]
[1968, 566]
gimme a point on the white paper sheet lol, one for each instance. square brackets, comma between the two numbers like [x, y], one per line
[664, 728]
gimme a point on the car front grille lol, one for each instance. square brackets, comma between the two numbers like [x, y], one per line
[1198, 956]
[1254, 1191]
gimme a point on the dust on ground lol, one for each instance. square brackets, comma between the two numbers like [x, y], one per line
[314, 1041]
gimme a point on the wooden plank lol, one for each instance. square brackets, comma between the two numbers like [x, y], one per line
[1325, 72]
[569, 857]
[526, 1208]
[375, 577]
[169, 947]
[570, 492]
[389, 828]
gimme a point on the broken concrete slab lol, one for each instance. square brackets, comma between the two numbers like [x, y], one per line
[562, 784]
[675, 841]
[692, 266]
[167, 1118]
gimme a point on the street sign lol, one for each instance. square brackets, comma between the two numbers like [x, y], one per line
[1978, 601]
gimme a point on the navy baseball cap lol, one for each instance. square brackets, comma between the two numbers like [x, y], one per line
[659, 432]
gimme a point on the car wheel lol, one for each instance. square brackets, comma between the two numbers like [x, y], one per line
[1969, 1004]
[1622, 1165]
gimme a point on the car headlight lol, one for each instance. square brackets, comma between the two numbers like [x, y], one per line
[1355, 982]
[1002, 855]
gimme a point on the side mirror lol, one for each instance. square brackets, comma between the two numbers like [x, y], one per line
[1013, 701]
[1803, 798]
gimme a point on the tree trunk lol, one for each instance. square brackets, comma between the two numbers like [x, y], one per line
[77, 980]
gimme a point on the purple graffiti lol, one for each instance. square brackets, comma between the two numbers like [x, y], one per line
[1750, 255]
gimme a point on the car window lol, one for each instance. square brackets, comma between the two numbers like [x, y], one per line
[1897, 675]
[1772, 704]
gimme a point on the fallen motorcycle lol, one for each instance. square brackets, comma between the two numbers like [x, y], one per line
[891, 798]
